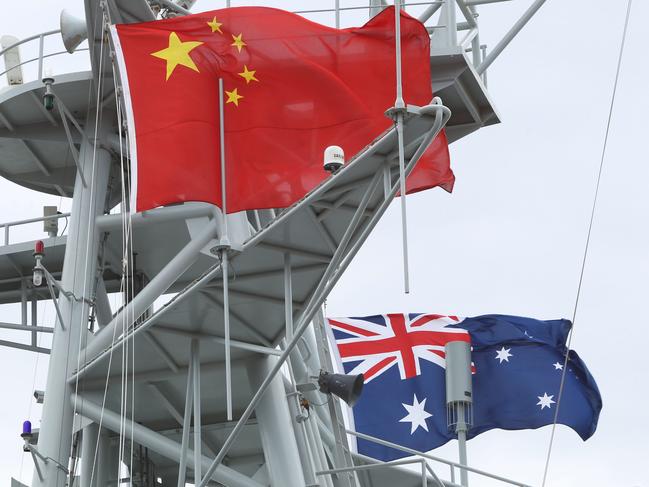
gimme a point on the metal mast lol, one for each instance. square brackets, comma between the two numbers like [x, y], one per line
[219, 378]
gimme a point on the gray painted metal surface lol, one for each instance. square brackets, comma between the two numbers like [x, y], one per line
[279, 273]
[55, 436]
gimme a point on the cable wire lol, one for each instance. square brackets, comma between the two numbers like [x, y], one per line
[590, 228]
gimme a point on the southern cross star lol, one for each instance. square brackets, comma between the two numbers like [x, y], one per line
[416, 414]
[503, 354]
[558, 366]
[545, 401]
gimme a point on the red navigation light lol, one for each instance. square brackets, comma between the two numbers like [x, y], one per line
[39, 248]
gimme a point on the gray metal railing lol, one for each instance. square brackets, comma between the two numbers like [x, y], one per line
[8, 225]
[407, 461]
[421, 456]
[41, 51]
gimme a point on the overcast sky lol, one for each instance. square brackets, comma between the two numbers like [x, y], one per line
[508, 240]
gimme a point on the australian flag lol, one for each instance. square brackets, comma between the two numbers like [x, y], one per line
[518, 364]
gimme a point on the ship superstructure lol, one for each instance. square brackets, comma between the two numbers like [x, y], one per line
[196, 377]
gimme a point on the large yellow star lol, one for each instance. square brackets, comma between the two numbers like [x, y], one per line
[238, 42]
[215, 26]
[177, 53]
[248, 75]
[233, 97]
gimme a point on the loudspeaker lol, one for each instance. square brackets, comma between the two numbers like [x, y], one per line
[73, 31]
[346, 387]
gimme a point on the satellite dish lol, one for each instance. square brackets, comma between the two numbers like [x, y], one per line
[73, 31]
[346, 387]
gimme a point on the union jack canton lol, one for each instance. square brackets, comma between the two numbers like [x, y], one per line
[376, 343]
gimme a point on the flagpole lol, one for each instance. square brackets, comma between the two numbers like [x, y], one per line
[225, 245]
[399, 109]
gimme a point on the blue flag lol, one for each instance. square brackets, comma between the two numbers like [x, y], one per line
[518, 363]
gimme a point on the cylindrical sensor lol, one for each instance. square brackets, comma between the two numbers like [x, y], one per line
[458, 372]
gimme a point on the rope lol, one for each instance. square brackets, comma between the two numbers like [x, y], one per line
[122, 280]
[585, 256]
[91, 215]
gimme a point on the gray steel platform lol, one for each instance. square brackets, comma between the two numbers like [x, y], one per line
[310, 232]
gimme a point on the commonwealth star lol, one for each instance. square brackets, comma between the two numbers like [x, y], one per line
[417, 415]
[177, 53]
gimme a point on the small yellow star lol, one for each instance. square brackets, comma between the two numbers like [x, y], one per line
[177, 53]
[238, 42]
[248, 75]
[215, 26]
[233, 97]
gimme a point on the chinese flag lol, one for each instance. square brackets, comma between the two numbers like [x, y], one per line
[291, 88]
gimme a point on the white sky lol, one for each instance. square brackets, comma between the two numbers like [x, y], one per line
[508, 240]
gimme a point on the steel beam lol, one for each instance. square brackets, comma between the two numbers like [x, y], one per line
[482, 2]
[185, 211]
[509, 36]
[31, 328]
[330, 207]
[210, 274]
[187, 417]
[42, 109]
[5, 121]
[429, 12]
[259, 297]
[219, 339]
[37, 159]
[78, 277]
[279, 271]
[22, 346]
[441, 114]
[274, 421]
[242, 321]
[196, 380]
[156, 442]
[153, 290]
[308, 253]
[162, 352]
[89, 441]
[103, 311]
[303, 322]
[173, 411]
[153, 375]
[331, 243]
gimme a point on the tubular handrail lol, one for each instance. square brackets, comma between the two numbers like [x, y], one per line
[31, 38]
[41, 55]
[45, 56]
[394, 463]
[423, 455]
[16, 223]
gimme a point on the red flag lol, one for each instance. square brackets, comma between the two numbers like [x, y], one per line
[292, 88]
